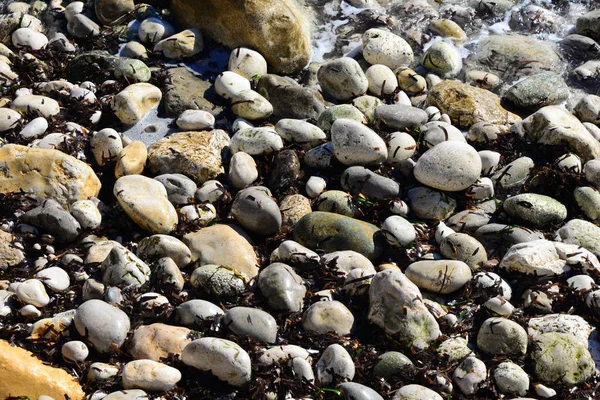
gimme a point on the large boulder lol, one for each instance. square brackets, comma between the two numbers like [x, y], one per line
[275, 28]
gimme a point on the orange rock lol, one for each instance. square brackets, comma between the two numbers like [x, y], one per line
[25, 375]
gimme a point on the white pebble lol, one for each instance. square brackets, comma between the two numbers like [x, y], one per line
[32, 291]
[30, 311]
[75, 351]
[399, 207]
[106, 145]
[315, 186]
[242, 170]
[247, 63]
[196, 120]
[229, 85]
[152, 30]
[55, 278]
[442, 231]
[27, 38]
[400, 147]
[34, 129]
[87, 214]
[397, 231]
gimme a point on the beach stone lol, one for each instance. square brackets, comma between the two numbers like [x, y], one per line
[52, 218]
[346, 261]
[367, 104]
[222, 358]
[196, 311]
[517, 55]
[8, 119]
[168, 273]
[289, 99]
[588, 199]
[344, 233]
[157, 341]
[435, 132]
[398, 231]
[131, 394]
[356, 144]
[9, 255]
[470, 375]
[132, 70]
[511, 379]
[463, 247]
[242, 170]
[251, 322]
[290, 251]
[555, 126]
[587, 24]
[537, 91]
[401, 146]
[256, 211]
[353, 390]
[342, 79]
[132, 103]
[539, 257]
[588, 109]
[229, 85]
[409, 81]
[145, 202]
[334, 365]
[537, 210]
[152, 30]
[400, 116]
[221, 281]
[579, 47]
[180, 189]
[454, 349]
[361, 180]
[442, 59]
[32, 292]
[222, 245]
[184, 44]
[278, 354]
[102, 324]
[466, 105]
[34, 129]
[132, 159]
[87, 214]
[278, 31]
[573, 325]
[247, 62]
[347, 111]
[396, 306]
[109, 11]
[514, 173]
[99, 372]
[320, 157]
[302, 133]
[256, 141]
[448, 166]
[382, 80]
[186, 91]
[106, 146]
[315, 186]
[439, 276]
[391, 363]
[430, 204]
[501, 336]
[581, 233]
[26, 375]
[149, 375]
[121, 266]
[54, 278]
[328, 316]
[416, 392]
[285, 171]
[558, 358]
[194, 120]
[282, 287]
[74, 351]
[41, 105]
[158, 246]
[251, 105]
[194, 154]
[80, 26]
[383, 47]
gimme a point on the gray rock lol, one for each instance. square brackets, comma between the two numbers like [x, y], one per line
[302, 369]
[219, 281]
[588, 109]
[454, 349]
[335, 365]
[514, 173]
[511, 379]
[132, 70]
[356, 391]
[498, 238]
[573, 325]
[400, 117]
[470, 375]
[222, 358]
[107, 146]
[131, 394]
[588, 24]
[473, 218]
[580, 48]
[448, 166]
[460, 246]
[435, 132]
[362, 180]
[289, 99]
[442, 59]
[398, 231]
[252, 322]
[581, 233]
[122, 267]
[193, 312]
[284, 171]
[180, 189]
[302, 133]
[256, 141]
[158, 246]
[320, 157]
[104, 326]
[588, 199]
[342, 233]
[558, 358]
[82, 27]
[416, 392]
[108, 11]
[282, 287]
[277, 354]
[290, 251]
[328, 316]
[430, 204]
[347, 111]
[401, 146]
[356, 144]
[256, 212]
[439, 276]
[391, 363]
[501, 336]
[537, 91]
[251, 106]
[342, 79]
[538, 257]
[537, 210]
[397, 307]
[336, 201]
[187, 91]
[52, 218]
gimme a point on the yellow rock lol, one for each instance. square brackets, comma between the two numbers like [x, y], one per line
[275, 28]
[47, 173]
[132, 159]
[25, 375]
[133, 103]
[156, 341]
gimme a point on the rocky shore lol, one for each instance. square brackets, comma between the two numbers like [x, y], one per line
[294, 199]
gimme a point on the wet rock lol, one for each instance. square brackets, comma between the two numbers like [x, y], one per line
[184, 44]
[103, 325]
[443, 59]
[470, 375]
[502, 336]
[132, 103]
[194, 154]
[537, 91]
[186, 91]
[587, 24]
[383, 47]
[282, 287]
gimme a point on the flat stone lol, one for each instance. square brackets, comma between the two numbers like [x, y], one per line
[460, 246]
[328, 316]
[54, 278]
[104, 326]
[501, 336]
[439, 276]
[430, 204]
[131, 394]
[357, 391]
[149, 375]
[289, 99]
[186, 91]
[256, 141]
[145, 201]
[252, 322]
[303, 133]
[293, 208]
[336, 201]
[514, 173]
[222, 358]
[157, 341]
[368, 183]
[400, 117]
[194, 154]
[25, 375]
[222, 245]
[32, 292]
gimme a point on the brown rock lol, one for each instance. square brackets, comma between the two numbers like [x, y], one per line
[9, 255]
[132, 159]
[109, 11]
[47, 173]
[186, 91]
[275, 28]
[222, 245]
[156, 341]
[293, 208]
[466, 105]
[195, 154]
[25, 375]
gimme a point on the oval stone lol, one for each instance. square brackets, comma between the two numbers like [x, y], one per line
[439, 276]
[356, 144]
[103, 325]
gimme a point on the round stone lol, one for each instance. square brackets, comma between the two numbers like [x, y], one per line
[157, 341]
[335, 363]
[382, 80]
[242, 170]
[55, 278]
[469, 375]
[511, 379]
[342, 79]
[252, 322]
[194, 120]
[247, 63]
[443, 59]
[32, 292]
[398, 231]
[229, 84]
[251, 105]
[256, 141]
[104, 326]
[391, 363]
[356, 144]
[463, 247]
[449, 166]
[501, 336]
[328, 316]
[196, 311]
[256, 211]
[400, 146]
[416, 392]
[282, 287]
[150, 376]
[87, 214]
[220, 281]
[74, 351]
[383, 47]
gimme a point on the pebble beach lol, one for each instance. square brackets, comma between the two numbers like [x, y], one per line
[299, 199]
